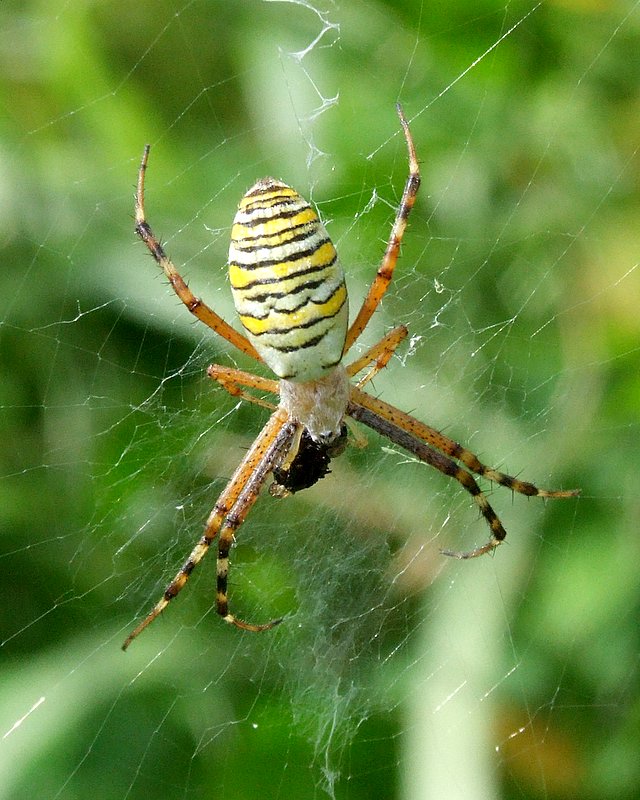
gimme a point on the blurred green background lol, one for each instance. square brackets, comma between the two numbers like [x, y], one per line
[398, 674]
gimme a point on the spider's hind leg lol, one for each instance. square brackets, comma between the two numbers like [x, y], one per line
[384, 274]
[195, 305]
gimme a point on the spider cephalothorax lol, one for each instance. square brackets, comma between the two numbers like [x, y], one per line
[290, 293]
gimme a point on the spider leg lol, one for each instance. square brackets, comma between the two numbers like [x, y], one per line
[286, 438]
[445, 465]
[227, 515]
[385, 271]
[233, 379]
[450, 447]
[439, 451]
[195, 305]
[381, 352]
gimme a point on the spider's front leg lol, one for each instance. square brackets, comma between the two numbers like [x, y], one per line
[286, 440]
[230, 511]
[441, 452]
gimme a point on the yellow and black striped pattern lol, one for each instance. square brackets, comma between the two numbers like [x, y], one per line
[287, 283]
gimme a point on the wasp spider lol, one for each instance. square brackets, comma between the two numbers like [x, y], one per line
[289, 291]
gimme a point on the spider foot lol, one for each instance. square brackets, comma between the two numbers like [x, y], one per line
[489, 547]
[248, 626]
[155, 612]
[559, 493]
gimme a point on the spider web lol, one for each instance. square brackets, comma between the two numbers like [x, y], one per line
[398, 673]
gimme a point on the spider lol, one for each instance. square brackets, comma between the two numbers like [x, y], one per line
[289, 291]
